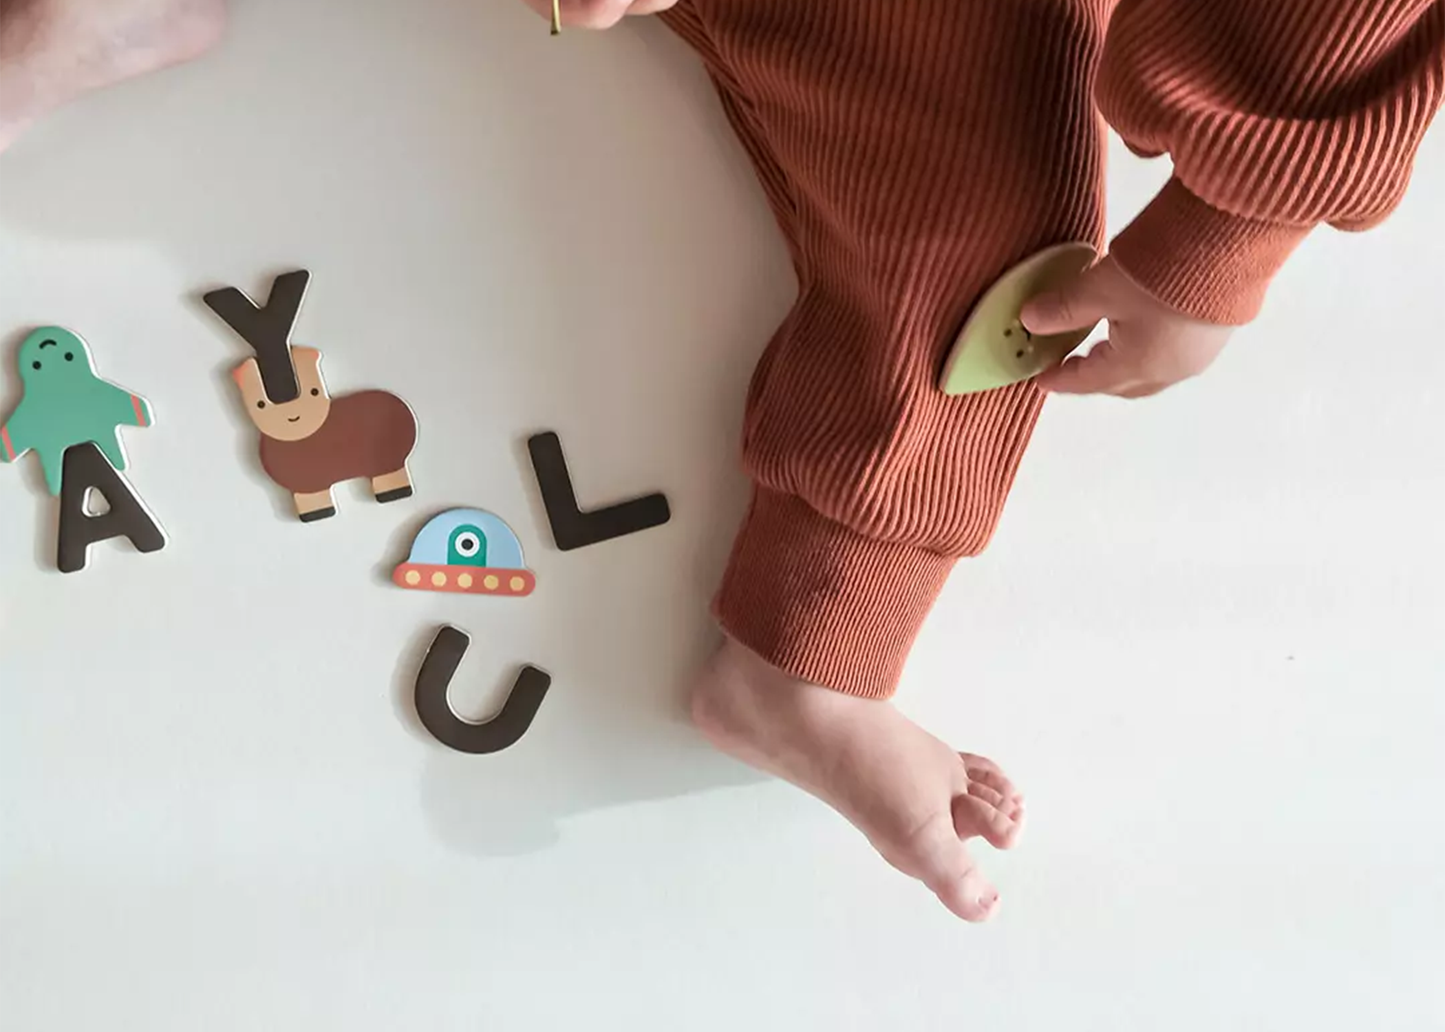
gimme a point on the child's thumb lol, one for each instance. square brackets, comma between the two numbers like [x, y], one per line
[1076, 305]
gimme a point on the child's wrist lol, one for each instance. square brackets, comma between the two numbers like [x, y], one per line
[1199, 260]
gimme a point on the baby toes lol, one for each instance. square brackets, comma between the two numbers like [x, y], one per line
[984, 771]
[983, 811]
[1009, 806]
[969, 895]
[935, 855]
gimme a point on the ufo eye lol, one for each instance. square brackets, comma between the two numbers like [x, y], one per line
[468, 544]
[35, 365]
[70, 356]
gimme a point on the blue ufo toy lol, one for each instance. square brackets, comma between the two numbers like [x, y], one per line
[469, 551]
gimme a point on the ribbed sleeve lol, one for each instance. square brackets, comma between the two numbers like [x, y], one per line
[1279, 116]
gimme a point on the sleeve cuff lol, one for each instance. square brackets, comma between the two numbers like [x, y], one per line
[1202, 261]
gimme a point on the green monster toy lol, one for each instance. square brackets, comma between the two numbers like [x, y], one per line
[65, 403]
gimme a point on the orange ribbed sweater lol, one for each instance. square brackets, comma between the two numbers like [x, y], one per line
[912, 151]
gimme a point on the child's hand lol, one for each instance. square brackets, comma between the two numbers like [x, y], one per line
[1150, 345]
[598, 14]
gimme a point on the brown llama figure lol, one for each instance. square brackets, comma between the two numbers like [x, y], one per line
[311, 441]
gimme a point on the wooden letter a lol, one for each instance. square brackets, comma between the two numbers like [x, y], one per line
[86, 470]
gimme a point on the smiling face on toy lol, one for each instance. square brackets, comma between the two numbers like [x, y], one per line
[52, 358]
[287, 420]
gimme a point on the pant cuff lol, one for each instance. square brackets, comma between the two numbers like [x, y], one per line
[822, 602]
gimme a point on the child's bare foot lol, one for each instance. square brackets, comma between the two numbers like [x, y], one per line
[52, 51]
[913, 797]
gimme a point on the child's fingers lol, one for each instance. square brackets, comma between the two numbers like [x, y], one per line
[598, 14]
[583, 14]
[1079, 304]
[1104, 370]
[1143, 390]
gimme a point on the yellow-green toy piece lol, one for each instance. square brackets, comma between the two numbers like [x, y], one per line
[994, 349]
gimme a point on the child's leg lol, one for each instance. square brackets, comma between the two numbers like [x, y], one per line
[912, 152]
[51, 51]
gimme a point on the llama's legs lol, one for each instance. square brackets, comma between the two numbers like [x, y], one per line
[390, 487]
[315, 506]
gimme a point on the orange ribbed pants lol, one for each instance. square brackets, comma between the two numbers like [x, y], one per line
[904, 189]
[912, 152]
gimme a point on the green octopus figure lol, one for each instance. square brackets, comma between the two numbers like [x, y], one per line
[65, 404]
